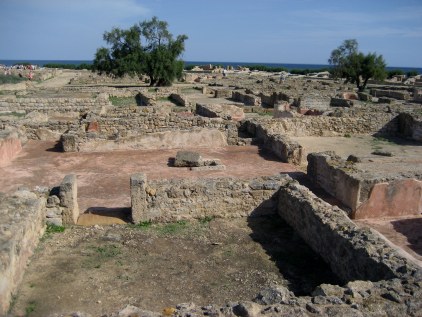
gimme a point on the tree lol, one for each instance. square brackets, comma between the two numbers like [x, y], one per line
[355, 66]
[147, 48]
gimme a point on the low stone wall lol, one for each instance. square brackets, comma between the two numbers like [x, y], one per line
[10, 146]
[151, 131]
[247, 99]
[341, 102]
[282, 146]
[314, 102]
[169, 200]
[177, 139]
[46, 105]
[329, 172]
[224, 111]
[366, 123]
[401, 95]
[410, 127]
[366, 196]
[22, 218]
[353, 253]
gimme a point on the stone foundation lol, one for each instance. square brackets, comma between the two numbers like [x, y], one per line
[22, 219]
[171, 200]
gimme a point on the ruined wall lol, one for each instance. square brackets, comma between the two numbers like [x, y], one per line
[410, 126]
[169, 200]
[247, 99]
[282, 146]
[21, 225]
[353, 253]
[367, 123]
[314, 102]
[328, 171]
[366, 195]
[151, 131]
[401, 95]
[46, 105]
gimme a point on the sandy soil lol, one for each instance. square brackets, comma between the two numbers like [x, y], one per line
[103, 269]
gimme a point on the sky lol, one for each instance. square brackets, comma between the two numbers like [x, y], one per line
[259, 31]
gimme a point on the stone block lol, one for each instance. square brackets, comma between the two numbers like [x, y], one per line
[188, 159]
[138, 197]
[69, 199]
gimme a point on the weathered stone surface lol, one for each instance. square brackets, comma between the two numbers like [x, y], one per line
[138, 195]
[21, 224]
[10, 146]
[187, 159]
[186, 198]
[69, 199]
[353, 253]
[224, 111]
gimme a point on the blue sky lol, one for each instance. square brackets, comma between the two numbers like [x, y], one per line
[272, 31]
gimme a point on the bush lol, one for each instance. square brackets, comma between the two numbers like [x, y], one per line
[69, 66]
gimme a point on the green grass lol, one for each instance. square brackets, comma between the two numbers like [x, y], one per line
[11, 79]
[172, 228]
[206, 220]
[123, 101]
[54, 229]
[32, 305]
[50, 230]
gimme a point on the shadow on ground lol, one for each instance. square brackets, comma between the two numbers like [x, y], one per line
[412, 230]
[296, 261]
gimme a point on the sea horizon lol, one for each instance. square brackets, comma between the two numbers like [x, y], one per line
[289, 66]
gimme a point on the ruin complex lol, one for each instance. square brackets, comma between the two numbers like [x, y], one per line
[352, 174]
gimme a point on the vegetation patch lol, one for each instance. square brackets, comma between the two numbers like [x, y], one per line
[11, 79]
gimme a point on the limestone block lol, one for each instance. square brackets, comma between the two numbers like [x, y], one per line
[138, 197]
[188, 159]
[69, 199]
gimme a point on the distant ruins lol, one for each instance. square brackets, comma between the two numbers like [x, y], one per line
[243, 108]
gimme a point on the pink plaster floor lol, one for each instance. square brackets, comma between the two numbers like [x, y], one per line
[103, 177]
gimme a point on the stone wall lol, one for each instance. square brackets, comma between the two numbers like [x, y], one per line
[46, 105]
[21, 225]
[170, 200]
[366, 195]
[410, 127]
[282, 146]
[247, 99]
[353, 253]
[367, 123]
[401, 95]
[151, 131]
[314, 102]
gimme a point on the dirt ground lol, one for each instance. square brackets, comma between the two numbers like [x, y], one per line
[103, 177]
[103, 269]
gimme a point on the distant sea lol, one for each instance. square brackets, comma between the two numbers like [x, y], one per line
[225, 64]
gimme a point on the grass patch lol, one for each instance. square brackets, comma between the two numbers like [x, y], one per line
[50, 230]
[30, 308]
[107, 251]
[172, 228]
[11, 79]
[54, 229]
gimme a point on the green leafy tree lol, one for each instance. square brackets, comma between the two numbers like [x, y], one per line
[147, 48]
[355, 66]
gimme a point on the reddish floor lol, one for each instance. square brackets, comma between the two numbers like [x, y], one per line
[405, 233]
[103, 177]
